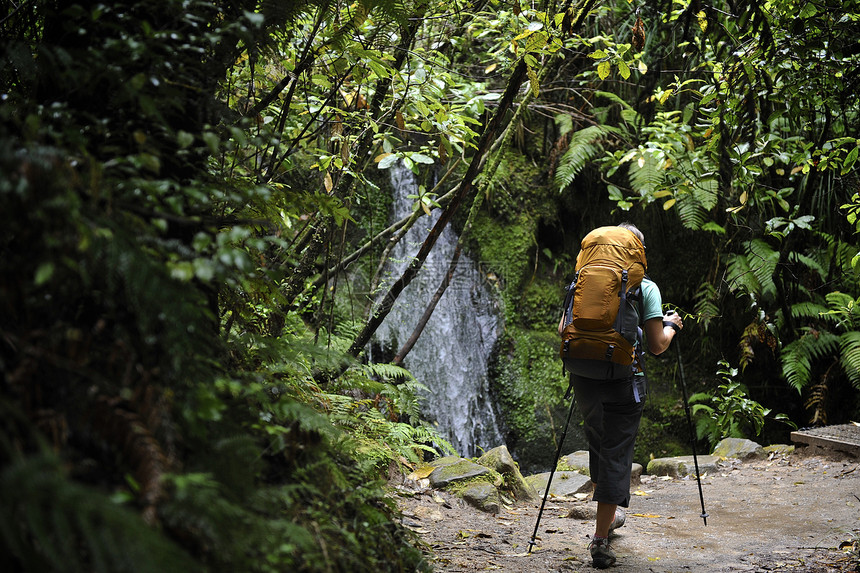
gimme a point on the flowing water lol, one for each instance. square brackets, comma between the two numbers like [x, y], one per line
[450, 358]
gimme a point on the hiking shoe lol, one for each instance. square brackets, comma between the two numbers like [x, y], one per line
[618, 520]
[601, 555]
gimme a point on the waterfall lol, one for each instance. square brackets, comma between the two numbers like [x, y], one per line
[450, 358]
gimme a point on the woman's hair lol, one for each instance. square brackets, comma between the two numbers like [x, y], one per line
[632, 228]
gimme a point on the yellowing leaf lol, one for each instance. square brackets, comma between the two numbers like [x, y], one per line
[703, 20]
[623, 69]
[641, 161]
[603, 69]
[490, 68]
[663, 193]
[666, 95]
[796, 170]
[668, 204]
[643, 68]
[533, 81]
[421, 473]
[426, 209]
[640, 493]
[648, 515]
[380, 157]
[329, 184]
[743, 198]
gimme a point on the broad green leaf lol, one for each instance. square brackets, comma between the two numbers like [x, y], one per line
[44, 273]
[850, 160]
[421, 158]
[603, 69]
[387, 161]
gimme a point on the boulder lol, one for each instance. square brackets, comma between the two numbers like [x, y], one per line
[682, 466]
[483, 496]
[738, 448]
[583, 511]
[500, 460]
[564, 483]
[779, 449]
[445, 461]
[459, 470]
[578, 461]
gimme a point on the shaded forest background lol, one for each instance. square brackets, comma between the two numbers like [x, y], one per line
[195, 211]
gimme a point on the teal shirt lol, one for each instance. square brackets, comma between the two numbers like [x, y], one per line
[651, 305]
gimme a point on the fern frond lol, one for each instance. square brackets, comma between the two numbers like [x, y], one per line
[694, 204]
[739, 275]
[388, 371]
[763, 260]
[809, 262]
[564, 123]
[584, 145]
[796, 366]
[646, 173]
[808, 310]
[849, 344]
[798, 357]
[706, 307]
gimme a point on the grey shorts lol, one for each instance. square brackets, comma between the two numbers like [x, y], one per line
[611, 411]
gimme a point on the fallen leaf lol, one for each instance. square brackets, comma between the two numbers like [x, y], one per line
[421, 473]
[645, 515]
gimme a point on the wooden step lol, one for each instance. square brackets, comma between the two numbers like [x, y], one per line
[841, 437]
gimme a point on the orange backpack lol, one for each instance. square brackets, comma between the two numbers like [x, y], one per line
[601, 324]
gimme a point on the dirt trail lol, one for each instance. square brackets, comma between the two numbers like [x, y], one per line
[795, 513]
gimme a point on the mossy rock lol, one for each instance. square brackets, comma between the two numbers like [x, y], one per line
[577, 461]
[738, 448]
[681, 466]
[779, 449]
[563, 483]
[461, 470]
[483, 496]
[500, 460]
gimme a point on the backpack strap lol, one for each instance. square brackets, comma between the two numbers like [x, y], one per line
[568, 301]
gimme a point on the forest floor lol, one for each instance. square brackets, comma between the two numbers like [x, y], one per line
[789, 513]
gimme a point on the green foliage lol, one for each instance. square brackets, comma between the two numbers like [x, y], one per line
[584, 145]
[834, 337]
[50, 522]
[729, 413]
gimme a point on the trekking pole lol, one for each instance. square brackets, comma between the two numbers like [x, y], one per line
[552, 471]
[704, 515]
